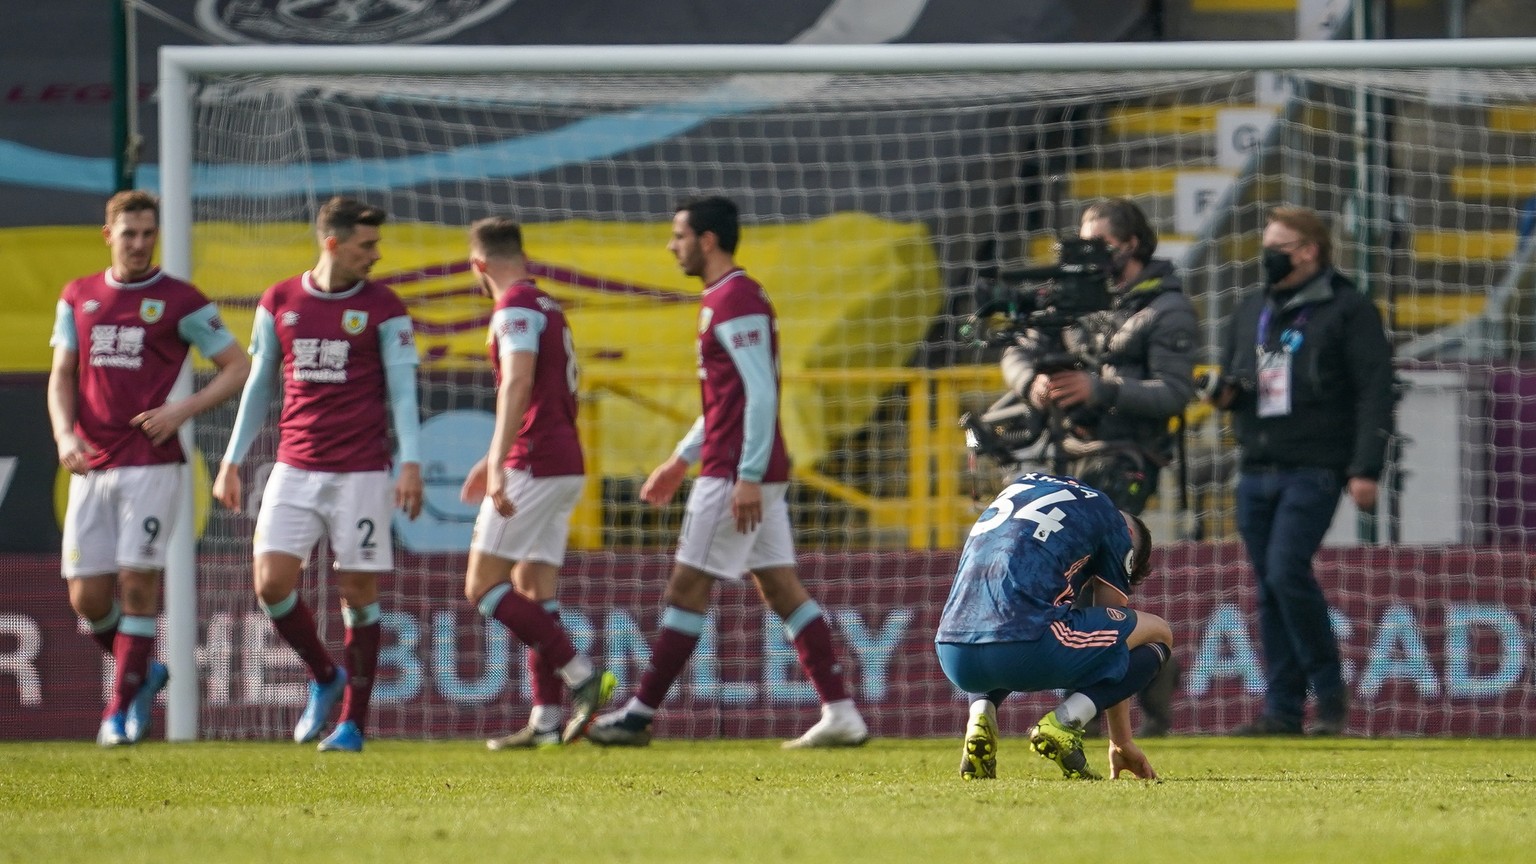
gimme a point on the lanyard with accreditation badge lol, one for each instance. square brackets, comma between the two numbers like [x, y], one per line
[1275, 366]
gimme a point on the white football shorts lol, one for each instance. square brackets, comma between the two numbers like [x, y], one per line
[710, 541]
[120, 519]
[352, 509]
[540, 528]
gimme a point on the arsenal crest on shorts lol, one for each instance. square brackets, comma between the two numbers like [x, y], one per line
[353, 321]
[151, 310]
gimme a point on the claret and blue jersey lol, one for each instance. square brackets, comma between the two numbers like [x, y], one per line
[1029, 555]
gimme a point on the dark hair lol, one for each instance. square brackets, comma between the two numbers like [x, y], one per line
[132, 201]
[1141, 549]
[341, 216]
[1126, 222]
[1310, 226]
[497, 237]
[716, 215]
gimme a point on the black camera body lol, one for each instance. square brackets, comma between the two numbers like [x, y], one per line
[1046, 299]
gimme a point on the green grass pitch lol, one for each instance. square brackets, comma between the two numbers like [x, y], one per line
[1219, 799]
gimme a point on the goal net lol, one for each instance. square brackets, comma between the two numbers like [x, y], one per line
[872, 204]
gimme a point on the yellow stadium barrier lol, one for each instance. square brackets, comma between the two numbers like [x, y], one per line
[935, 513]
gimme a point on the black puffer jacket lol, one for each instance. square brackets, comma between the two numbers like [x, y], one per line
[1142, 352]
[1341, 380]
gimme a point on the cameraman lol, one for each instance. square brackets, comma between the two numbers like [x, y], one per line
[1109, 419]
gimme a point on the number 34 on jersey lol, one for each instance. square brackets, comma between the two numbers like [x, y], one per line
[1020, 501]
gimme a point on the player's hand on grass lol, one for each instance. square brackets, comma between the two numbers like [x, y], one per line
[474, 483]
[1128, 757]
[75, 453]
[226, 486]
[408, 489]
[664, 482]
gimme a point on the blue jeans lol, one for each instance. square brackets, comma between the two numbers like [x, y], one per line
[1282, 515]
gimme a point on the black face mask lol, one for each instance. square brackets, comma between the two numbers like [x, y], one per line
[1277, 265]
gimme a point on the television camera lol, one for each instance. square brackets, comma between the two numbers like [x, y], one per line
[1046, 300]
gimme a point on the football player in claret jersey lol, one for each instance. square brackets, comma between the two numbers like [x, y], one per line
[120, 339]
[737, 521]
[344, 349]
[527, 486]
[1039, 603]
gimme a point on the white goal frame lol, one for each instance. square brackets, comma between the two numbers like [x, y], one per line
[179, 65]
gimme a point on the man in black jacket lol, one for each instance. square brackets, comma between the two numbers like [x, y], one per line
[1307, 375]
[1111, 420]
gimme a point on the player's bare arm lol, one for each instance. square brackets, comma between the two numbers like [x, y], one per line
[75, 453]
[1123, 752]
[162, 423]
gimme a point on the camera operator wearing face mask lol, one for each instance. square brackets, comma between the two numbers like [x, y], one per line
[1110, 419]
[1307, 375]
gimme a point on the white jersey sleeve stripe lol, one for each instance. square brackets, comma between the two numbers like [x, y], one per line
[397, 342]
[753, 359]
[689, 448]
[256, 398]
[397, 350]
[516, 329]
[64, 328]
[198, 330]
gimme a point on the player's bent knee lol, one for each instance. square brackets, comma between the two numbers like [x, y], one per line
[91, 607]
[1151, 628]
[357, 588]
[141, 592]
[689, 588]
[91, 596]
[484, 573]
[277, 575]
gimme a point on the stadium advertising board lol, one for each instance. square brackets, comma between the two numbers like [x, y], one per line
[1431, 649]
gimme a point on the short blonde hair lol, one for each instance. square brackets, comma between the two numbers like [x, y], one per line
[1310, 226]
[132, 201]
[497, 237]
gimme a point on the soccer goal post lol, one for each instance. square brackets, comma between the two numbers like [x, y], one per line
[878, 185]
